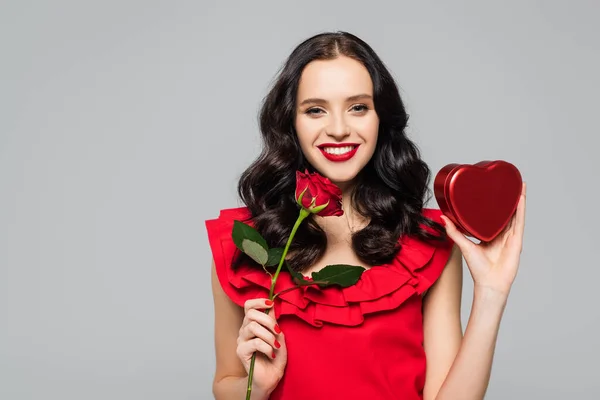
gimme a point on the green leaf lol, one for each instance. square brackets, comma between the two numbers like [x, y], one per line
[242, 231]
[338, 274]
[298, 277]
[275, 255]
[255, 251]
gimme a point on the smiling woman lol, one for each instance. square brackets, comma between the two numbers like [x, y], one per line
[336, 121]
[334, 93]
[394, 334]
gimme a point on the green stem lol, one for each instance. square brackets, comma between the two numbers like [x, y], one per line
[288, 290]
[303, 214]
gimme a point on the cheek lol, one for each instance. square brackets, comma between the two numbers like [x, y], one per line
[368, 128]
[307, 131]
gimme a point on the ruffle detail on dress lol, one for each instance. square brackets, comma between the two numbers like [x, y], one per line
[415, 268]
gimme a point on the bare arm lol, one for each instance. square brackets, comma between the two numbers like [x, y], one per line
[239, 332]
[493, 266]
[459, 367]
[230, 377]
[442, 327]
[470, 373]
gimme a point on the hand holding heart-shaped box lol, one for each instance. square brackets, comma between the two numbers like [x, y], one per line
[479, 198]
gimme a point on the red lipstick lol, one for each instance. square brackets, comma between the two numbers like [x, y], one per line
[338, 157]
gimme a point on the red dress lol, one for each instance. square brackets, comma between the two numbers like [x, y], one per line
[360, 342]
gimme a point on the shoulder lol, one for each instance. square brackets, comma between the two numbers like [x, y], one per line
[239, 284]
[427, 259]
[222, 224]
[219, 230]
[433, 215]
[230, 214]
[432, 212]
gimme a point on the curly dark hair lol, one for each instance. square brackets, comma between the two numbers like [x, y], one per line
[390, 191]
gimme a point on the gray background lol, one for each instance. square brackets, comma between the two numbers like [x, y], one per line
[124, 125]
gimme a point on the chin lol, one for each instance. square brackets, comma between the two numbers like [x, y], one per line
[339, 173]
[340, 178]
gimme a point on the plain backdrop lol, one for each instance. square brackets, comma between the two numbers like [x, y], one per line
[124, 125]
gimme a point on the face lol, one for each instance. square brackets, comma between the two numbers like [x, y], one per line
[336, 122]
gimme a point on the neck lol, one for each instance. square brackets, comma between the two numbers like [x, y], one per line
[347, 206]
[346, 201]
[347, 190]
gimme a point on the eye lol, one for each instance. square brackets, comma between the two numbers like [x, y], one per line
[313, 111]
[360, 108]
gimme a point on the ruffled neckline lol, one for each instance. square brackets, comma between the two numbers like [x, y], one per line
[380, 288]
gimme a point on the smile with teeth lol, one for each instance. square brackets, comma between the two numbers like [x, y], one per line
[338, 150]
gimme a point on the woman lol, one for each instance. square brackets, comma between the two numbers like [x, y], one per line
[396, 333]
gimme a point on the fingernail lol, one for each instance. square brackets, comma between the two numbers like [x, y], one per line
[273, 355]
[277, 329]
[269, 302]
[277, 344]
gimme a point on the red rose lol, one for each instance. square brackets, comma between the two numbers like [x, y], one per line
[318, 195]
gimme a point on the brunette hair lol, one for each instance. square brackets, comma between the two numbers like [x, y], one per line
[391, 189]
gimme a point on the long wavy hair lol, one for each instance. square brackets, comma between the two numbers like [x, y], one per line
[390, 191]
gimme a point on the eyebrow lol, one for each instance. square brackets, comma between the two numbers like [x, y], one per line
[322, 101]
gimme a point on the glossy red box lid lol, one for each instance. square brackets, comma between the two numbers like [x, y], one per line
[479, 198]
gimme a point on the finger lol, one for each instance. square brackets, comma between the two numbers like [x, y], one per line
[511, 223]
[263, 319]
[520, 214]
[246, 349]
[509, 229]
[255, 330]
[257, 304]
[464, 244]
[523, 195]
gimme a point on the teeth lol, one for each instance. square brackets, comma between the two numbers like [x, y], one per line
[338, 150]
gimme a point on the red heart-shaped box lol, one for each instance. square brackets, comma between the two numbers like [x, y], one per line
[479, 198]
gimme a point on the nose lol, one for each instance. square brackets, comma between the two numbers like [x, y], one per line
[338, 127]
